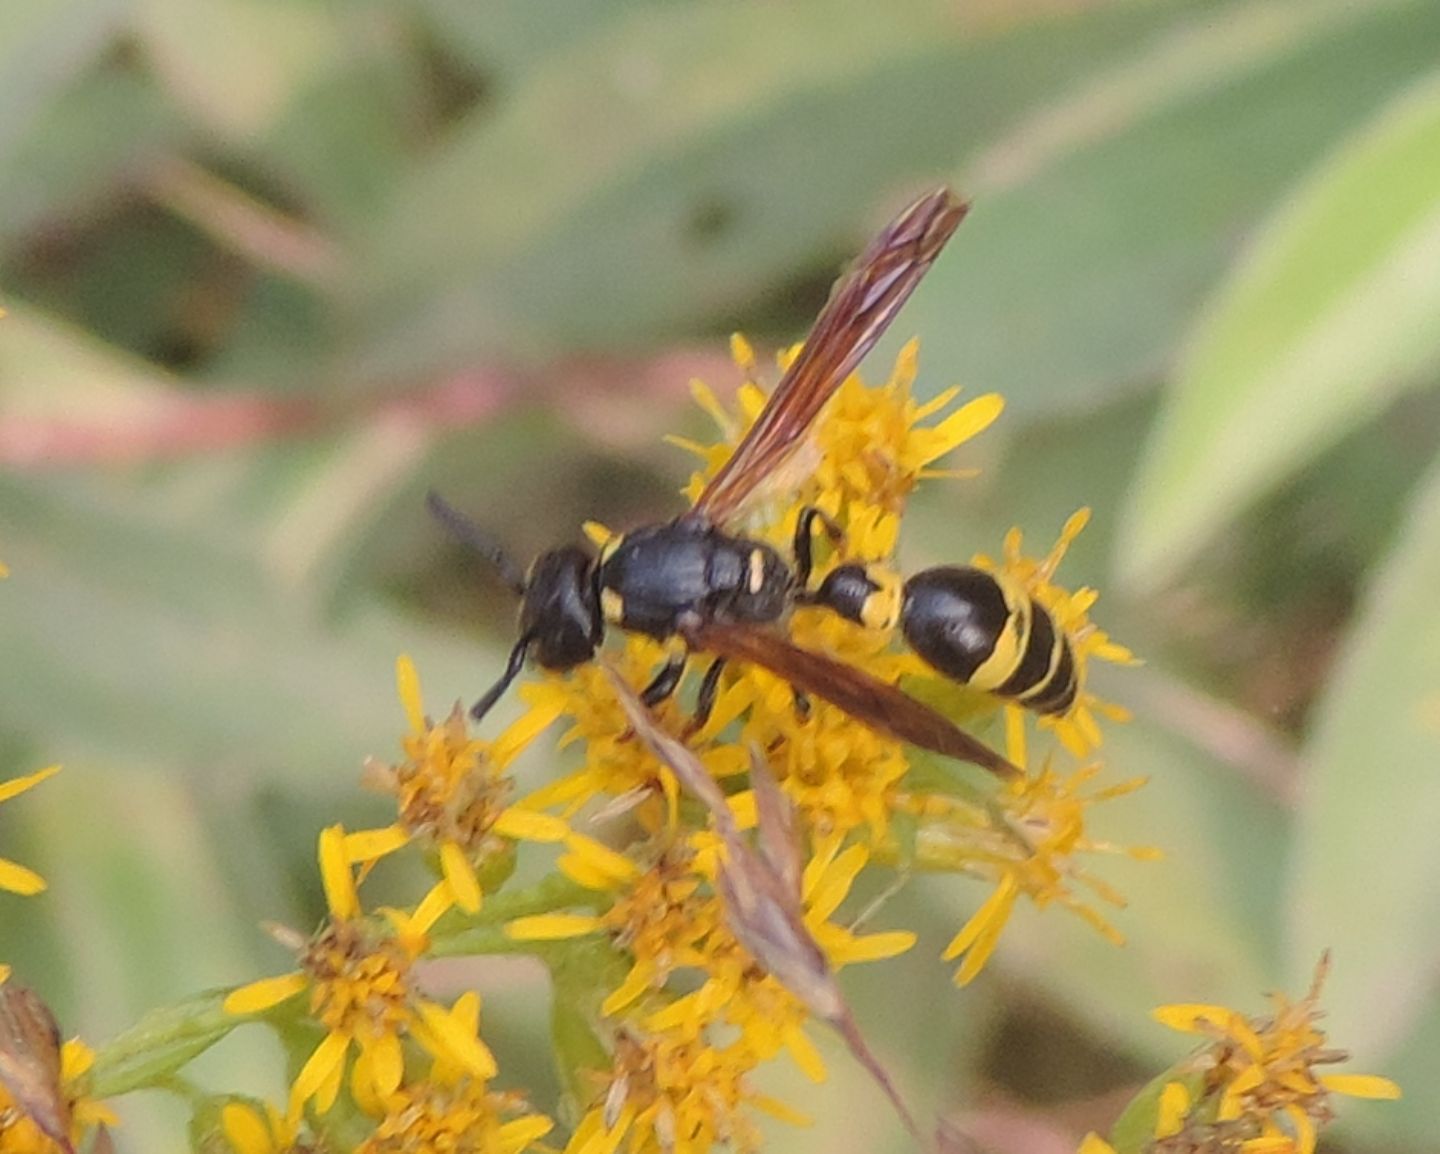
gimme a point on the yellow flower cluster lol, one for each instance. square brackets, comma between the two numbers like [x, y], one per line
[682, 1048]
[1254, 1088]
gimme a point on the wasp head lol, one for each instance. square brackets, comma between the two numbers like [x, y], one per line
[560, 609]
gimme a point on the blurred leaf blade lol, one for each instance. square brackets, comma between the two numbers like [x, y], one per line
[689, 171]
[1313, 332]
[1079, 281]
[157, 645]
[1362, 878]
[236, 64]
[43, 45]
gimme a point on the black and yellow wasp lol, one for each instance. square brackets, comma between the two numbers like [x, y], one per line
[704, 589]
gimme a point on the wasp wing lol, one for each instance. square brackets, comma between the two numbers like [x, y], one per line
[876, 703]
[861, 306]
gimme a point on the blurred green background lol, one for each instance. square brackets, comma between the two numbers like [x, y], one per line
[274, 267]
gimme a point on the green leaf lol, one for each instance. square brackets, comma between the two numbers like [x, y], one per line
[235, 65]
[674, 164]
[43, 45]
[1337, 306]
[1102, 220]
[1363, 876]
[142, 905]
[80, 145]
[160, 1043]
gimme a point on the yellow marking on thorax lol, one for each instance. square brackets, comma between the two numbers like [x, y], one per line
[881, 610]
[1009, 649]
[757, 570]
[612, 606]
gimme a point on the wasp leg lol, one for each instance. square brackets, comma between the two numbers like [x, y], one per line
[665, 682]
[805, 538]
[802, 704]
[512, 670]
[705, 699]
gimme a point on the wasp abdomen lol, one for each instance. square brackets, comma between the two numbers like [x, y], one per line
[986, 632]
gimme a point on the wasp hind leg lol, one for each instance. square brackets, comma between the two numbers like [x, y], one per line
[705, 698]
[664, 683]
[803, 547]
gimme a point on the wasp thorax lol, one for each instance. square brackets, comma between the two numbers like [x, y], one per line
[560, 610]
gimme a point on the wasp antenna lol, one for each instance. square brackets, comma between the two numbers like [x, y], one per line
[468, 533]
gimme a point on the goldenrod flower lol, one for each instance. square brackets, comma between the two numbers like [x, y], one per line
[19, 1134]
[616, 766]
[359, 973]
[452, 794]
[452, 1110]
[665, 916]
[13, 876]
[761, 1013]
[671, 1094]
[1077, 728]
[1256, 1086]
[1026, 841]
[869, 449]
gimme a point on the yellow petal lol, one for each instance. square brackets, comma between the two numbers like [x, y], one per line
[871, 947]
[259, 996]
[518, 1133]
[777, 1109]
[997, 905]
[1304, 1127]
[967, 421]
[1173, 1107]
[580, 870]
[460, 877]
[636, 983]
[340, 893]
[18, 879]
[387, 1064]
[550, 927]
[602, 857]
[1360, 1085]
[407, 681]
[18, 785]
[436, 902]
[461, 1045]
[1094, 1144]
[528, 825]
[834, 884]
[1193, 1017]
[322, 1067]
[465, 1013]
[245, 1129]
[804, 1053]
[367, 845]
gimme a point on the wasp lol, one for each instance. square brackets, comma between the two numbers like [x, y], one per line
[700, 587]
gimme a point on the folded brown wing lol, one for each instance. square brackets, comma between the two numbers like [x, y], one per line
[861, 306]
[876, 703]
